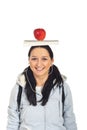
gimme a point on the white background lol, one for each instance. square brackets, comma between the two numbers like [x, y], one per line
[63, 20]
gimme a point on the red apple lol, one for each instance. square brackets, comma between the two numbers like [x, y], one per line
[39, 34]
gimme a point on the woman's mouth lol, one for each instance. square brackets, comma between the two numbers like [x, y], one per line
[39, 69]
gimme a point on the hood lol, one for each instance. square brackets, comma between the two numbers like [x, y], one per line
[21, 80]
[64, 77]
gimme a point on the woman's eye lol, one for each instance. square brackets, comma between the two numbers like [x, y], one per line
[34, 59]
[44, 59]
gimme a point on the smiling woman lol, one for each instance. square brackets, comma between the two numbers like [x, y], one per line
[46, 101]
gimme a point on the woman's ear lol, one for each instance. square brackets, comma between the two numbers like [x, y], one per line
[52, 62]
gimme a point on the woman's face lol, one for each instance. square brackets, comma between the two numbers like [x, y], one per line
[40, 62]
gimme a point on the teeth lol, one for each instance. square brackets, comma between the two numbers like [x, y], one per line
[39, 69]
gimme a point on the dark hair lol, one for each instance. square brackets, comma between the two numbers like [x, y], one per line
[42, 46]
[54, 78]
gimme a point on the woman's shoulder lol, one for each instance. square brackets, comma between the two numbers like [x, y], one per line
[67, 89]
[19, 82]
[66, 85]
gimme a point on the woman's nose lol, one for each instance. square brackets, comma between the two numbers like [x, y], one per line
[39, 62]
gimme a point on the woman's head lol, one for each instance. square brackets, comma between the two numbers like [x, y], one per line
[40, 59]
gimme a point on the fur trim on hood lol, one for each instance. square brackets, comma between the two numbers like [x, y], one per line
[21, 80]
[64, 77]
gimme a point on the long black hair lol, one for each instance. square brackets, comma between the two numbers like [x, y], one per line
[54, 78]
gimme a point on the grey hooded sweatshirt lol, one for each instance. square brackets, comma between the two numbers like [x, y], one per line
[48, 117]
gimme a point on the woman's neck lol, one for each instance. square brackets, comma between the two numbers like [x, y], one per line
[40, 81]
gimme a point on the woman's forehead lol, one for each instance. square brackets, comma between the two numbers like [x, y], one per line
[39, 50]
